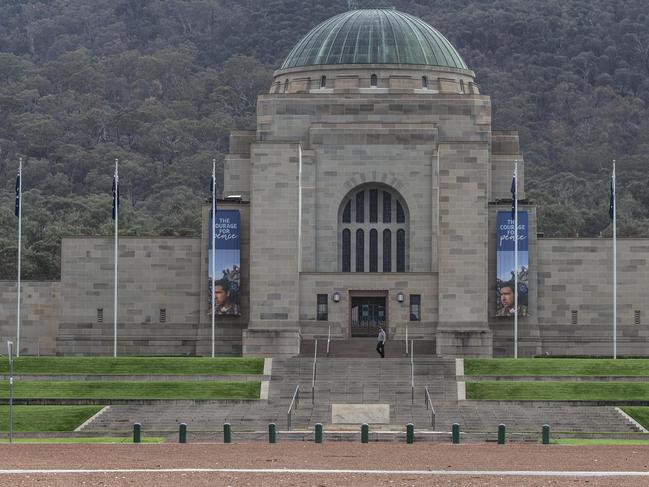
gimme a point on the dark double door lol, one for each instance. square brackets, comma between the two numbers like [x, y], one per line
[367, 315]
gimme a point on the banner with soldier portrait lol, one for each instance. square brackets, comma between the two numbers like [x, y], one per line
[505, 261]
[227, 263]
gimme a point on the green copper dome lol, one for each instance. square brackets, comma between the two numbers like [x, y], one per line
[374, 36]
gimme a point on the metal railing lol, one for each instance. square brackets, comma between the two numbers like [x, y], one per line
[406, 339]
[328, 339]
[315, 365]
[412, 372]
[429, 402]
[293, 406]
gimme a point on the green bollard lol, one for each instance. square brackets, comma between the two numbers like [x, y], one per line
[410, 433]
[455, 433]
[365, 433]
[272, 433]
[501, 434]
[182, 433]
[227, 433]
[137, 433]
[318, 433]
[546, 434]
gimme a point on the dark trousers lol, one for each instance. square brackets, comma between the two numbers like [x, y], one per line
[380, 347]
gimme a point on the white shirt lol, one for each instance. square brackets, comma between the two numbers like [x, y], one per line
[381, 336]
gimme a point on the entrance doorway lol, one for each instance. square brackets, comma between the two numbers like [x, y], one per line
[367, 315]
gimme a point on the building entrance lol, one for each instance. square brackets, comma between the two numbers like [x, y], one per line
[367, 315]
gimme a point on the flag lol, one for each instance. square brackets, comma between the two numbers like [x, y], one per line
[611, 205]
[115, 195]
[18, 195]
[513, 190]
[212, 185]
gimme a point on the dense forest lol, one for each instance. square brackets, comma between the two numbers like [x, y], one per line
[160, 83]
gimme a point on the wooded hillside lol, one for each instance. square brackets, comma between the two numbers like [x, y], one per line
[160, 83]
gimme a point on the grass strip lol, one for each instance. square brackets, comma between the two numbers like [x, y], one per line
[556, 367]
[598, 441]
[639, 413]
[29, 419]
[135, 366]
[558, 391]
[111, 440]
[132, 390]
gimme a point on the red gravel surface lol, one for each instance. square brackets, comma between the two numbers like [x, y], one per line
[330, 456]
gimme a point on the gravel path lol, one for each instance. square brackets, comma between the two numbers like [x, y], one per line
[340, 455]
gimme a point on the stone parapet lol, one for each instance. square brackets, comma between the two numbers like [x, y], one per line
[271, 343]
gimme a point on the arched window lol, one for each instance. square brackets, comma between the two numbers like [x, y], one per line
[323, 82]
[387, 207]
[424, 82]
[374, 81]
[401, 216]
[462, 86]
[360, 207]
[360, 250]
[347, 213]
[347, 250]
[401, 251]
[285, 86]
[387, 250]
[374, 250]
[378, 213]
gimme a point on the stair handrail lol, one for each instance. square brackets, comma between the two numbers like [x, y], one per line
[429, 402]
[293, 406]
[406, 338]
[328, 339]
[315, 364]
[412, 372]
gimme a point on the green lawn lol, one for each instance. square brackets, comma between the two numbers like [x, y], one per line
[639, 413]
[144, 439]
[598, 441]
[556, 366]
[30, 419]
[135, 366]
[132, 390]
[558, 391]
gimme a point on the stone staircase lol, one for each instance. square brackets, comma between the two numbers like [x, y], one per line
[365, 348]
[370, 380]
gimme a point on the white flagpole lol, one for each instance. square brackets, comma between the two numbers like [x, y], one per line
[20, 220]
[515, 259]
[614, 266]
[213, 244]
[116, 203]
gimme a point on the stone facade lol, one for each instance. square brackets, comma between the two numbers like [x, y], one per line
[40, 315]
[421, 136]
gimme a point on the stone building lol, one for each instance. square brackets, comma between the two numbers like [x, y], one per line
[368, 196]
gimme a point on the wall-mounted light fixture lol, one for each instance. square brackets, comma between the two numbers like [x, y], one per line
[400, 297]
[336, 297]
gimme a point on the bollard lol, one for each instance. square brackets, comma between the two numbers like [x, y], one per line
[546, 434]
[456, 433]
[318, 433]
[272, 433]
[182, 433]
[410, 433]
[501, 434]
[365, 433]
[227, 433]
[137, 433]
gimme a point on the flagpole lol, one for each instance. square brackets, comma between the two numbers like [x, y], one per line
[20, 220]
[516, 259]
[614, 265]
[213, 244]
[116, 205]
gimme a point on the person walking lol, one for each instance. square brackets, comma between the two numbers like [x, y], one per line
[380, 346]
